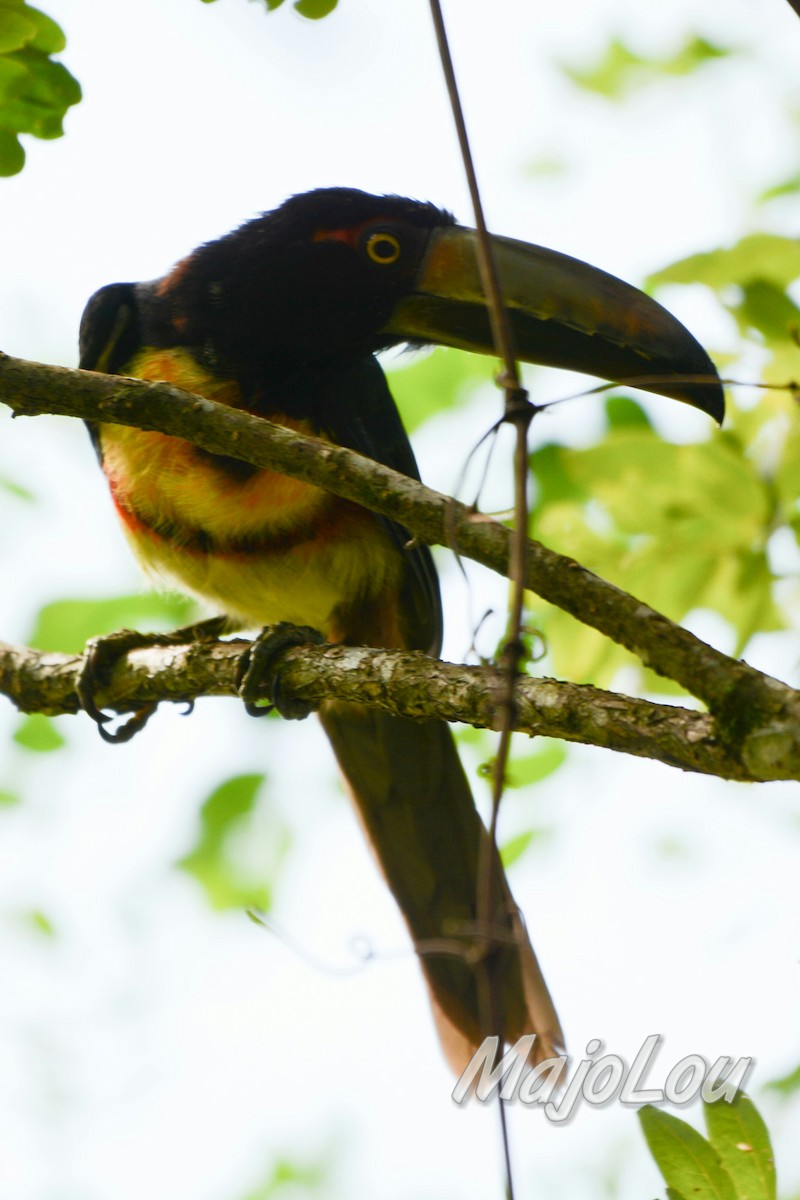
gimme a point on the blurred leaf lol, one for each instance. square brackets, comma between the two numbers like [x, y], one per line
[671, 849]
[738, 1134]
[533, 768]
[236, 858]
[650, 516]
[768, 309]
[66, 625]
[686, 1160]
[291, 1179]
[546, 166]
[515, 847]
[435, 382]
[750, 281]
[17, 490]
[40, 923]
[513, 850]
[620, 69]
[788, 187]
[787, 1085]
[9, 799]
[39, 734]
[623, 410]
[759, 256]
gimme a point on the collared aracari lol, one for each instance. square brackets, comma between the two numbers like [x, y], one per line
[283, 317]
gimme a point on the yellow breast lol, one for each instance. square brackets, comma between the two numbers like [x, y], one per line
[258, 546]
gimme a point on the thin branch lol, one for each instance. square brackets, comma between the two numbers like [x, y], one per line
[744, 701]
[518, 413]
[401, 682]
[32, 389]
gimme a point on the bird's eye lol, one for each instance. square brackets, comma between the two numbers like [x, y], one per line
[382, 248]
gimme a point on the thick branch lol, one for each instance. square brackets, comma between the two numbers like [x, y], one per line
[744, 701]
[407, 684]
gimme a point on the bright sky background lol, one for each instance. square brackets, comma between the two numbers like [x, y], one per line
[153, 1049]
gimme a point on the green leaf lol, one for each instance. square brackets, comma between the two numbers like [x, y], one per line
[48, 36]
[611, 76]
[690, 1166]
[624, 411]
[787, 187]
[759, 256]
[17, 490]
[38, 734]
[314, 10]
[35, 91]
[66, 625]
[512, 850]
[40, 923]
[646, 514]
[435, 382]
[16, 29]
[12, 156]
[620, 69]
[236, 859]
[787, 1085]
[9, 799]
[740, 1138]
[14, 77]
[767, 308]
[546, 166]
[515, 847]
[291, 1179]
[533, 768]
[40, 105]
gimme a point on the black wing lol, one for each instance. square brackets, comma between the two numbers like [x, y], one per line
[370, 424]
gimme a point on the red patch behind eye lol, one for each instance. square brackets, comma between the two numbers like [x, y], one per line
[174, 277]
[349, 236]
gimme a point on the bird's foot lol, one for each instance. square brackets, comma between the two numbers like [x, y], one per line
[259, 671]
[102, 655]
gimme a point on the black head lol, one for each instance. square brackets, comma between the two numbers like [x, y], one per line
[312, 283]
[336, 274]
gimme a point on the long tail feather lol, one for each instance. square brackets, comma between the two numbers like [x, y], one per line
[415, 803]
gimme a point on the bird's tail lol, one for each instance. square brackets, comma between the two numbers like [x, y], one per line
[417, 809]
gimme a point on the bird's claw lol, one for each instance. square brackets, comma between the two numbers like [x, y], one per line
[103, 653]
[99, 659]
[258, 676]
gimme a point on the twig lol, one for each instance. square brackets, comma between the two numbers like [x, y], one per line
[518, 413]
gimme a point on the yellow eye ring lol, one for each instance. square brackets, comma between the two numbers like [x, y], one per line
[383, 248]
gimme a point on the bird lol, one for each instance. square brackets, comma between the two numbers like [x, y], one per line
[283, 318]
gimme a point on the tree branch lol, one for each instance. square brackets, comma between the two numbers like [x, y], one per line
[405, 683]
[752, 710]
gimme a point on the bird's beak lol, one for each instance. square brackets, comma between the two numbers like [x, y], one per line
[563, 313]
